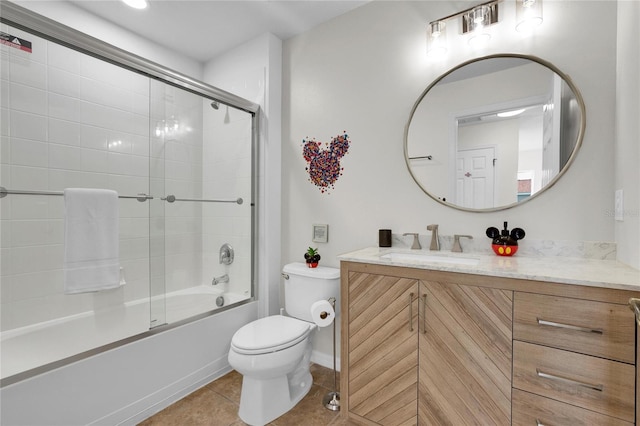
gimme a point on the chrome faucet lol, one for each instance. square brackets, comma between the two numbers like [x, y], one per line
[457, 248]
[416, 242]
[220, 280]
[435, 242]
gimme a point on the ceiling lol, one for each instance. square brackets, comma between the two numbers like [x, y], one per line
[203, 29]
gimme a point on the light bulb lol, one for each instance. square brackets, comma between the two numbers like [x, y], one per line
[528, 15]
[436, 39]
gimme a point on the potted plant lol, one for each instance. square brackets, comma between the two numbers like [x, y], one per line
[312, 257]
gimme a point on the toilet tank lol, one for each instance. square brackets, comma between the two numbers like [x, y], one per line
[305, 286]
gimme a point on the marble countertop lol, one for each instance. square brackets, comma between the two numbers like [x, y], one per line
[579, 271]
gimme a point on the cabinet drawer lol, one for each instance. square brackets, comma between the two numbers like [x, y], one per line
[601, 385]
[534, 410]
[594, 328]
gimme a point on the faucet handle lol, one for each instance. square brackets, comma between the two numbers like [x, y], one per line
[416, 241]
[457, 248]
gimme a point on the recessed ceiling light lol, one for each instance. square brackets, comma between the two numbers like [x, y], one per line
[136, 4]
[512, 113]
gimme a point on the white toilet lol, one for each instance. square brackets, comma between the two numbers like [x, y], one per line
[273, 353]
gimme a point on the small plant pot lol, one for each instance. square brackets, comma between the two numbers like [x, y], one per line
[312, 265]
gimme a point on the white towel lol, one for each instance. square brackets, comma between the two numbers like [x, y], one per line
[91, 253]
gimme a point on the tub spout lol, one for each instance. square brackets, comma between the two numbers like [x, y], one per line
[218, 280]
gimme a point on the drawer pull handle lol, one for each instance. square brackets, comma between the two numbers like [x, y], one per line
[569, 326]
[634, 305]
[569, 381]
[410, 311]
[424, 316]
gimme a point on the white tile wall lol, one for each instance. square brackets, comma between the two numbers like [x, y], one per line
[227, 174]
[69, 120]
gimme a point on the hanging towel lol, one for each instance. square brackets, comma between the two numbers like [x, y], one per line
[91, 254]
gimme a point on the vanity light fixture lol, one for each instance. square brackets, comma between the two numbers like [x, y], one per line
[475, 22]
[437, 39]
[136, 4]
[528, 14]
[478, 21]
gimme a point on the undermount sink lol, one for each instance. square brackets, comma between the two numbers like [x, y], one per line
[429, 258]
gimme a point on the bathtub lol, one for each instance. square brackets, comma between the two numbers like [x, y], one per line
[77, 336]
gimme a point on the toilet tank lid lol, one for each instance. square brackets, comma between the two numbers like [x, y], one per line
[321, 272]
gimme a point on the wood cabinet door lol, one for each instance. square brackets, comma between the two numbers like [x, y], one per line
[382, 348]
[465, 352]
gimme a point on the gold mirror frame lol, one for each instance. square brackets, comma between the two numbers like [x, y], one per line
[562, 171]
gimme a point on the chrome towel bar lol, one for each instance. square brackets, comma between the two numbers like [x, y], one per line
[140, 197]
[4, 192]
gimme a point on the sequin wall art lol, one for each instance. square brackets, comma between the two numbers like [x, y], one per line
[323, 164]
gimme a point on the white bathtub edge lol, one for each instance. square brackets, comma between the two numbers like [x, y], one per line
[127, 384]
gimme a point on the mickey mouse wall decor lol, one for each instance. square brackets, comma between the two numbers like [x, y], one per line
[323, 165]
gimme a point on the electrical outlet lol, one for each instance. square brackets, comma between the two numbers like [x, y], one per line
[619, 205]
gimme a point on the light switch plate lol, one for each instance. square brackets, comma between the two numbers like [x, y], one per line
[619, 205]
[320, 233]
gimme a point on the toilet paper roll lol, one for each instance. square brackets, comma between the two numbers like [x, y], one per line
[322, 313]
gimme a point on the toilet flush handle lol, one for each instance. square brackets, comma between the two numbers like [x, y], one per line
[285, 276]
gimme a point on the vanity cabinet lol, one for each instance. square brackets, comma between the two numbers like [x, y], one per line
[431, 347]
[423, 351]
[383, 354]
[578, 356]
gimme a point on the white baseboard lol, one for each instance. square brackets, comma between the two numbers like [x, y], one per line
[324, 360]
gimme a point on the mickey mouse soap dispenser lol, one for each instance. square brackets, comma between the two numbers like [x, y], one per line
[505, 243]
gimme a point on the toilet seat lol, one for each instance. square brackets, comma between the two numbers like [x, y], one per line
[269, 334]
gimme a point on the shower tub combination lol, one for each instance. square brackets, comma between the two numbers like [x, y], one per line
[46, 343]
[84, 114]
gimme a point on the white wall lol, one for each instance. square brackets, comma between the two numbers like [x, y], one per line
[254, 72]
[363, 71]
[368, 84]
[627, 131]
[81, 20]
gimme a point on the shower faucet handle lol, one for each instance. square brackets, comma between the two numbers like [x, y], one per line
[226, 254]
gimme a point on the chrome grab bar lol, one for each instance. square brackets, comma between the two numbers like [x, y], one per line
[4, 192]
[544, 375]
[634, 305]
[569, 326]
[172, 198]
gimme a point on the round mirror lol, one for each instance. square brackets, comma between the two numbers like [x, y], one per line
[494, 132]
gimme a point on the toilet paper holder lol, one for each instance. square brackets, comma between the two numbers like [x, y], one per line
[331, 400]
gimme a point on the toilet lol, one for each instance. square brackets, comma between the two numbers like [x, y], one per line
[273, 353]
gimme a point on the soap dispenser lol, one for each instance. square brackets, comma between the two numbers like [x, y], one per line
[505, 243]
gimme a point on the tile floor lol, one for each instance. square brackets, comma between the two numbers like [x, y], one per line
[216, 404]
